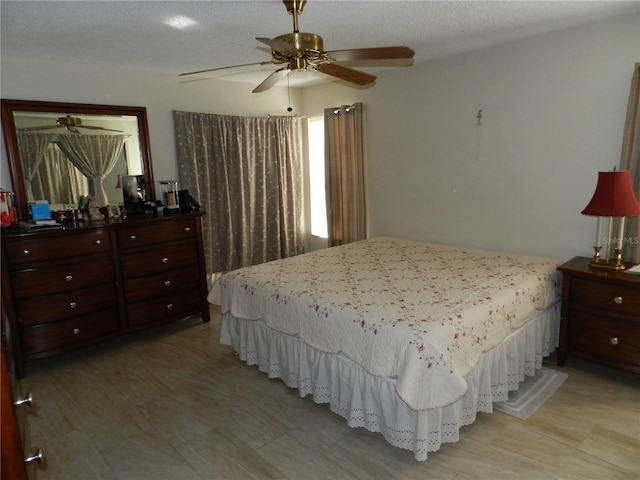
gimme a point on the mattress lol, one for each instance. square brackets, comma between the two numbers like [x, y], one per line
[418, 313]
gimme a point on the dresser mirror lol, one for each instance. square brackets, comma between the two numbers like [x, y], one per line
[59, 152]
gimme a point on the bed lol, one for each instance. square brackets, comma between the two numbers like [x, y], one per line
[405, 338]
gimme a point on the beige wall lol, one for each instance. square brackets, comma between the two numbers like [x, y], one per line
[553, 115]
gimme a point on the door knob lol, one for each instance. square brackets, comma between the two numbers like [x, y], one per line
[24, 401]
[37, 457]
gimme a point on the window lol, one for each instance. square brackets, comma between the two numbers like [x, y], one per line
[316, 177]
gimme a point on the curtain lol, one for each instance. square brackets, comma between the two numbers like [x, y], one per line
[95, 156]
[247, 175]
[345, 181]
[630, 160]
[33, 148]
[57, 179]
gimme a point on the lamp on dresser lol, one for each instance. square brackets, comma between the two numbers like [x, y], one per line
[613, 197]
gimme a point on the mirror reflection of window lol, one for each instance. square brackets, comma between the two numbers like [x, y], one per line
[133, 189]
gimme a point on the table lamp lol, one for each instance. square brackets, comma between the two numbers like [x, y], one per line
[613, 197]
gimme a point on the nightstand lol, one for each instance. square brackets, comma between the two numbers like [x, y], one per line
[600, 315]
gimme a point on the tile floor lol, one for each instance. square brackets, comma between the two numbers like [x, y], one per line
[172, 403]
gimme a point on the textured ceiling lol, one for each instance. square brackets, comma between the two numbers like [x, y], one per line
[136, 34]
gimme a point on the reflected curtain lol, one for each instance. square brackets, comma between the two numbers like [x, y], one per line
[345, 176]
[57, 179]
[33, 148]
[247, 175]
[630, 160]
[95, 156]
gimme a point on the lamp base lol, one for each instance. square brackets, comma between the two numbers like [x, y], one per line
[610, 264]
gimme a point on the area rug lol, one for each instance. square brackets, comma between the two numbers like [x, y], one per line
[532, 394]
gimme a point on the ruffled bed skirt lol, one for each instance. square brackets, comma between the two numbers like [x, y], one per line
[369, 401]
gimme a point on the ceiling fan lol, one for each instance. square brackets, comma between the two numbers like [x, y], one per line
[303, 51]
[72, 124]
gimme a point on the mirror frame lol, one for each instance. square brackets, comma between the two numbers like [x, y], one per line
[9, 107]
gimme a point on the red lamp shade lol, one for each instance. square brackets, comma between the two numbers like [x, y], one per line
[614, 196]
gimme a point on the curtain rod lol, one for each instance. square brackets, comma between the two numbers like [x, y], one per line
[337, 110]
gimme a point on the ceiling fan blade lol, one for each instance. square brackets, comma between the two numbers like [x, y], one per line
[280, 46]
[43, 127]
[266, 62]
[271, 80]
[382, 53]
[91, 127]
[348, 74]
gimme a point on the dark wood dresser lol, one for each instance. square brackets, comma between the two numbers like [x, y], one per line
[600, 315]
[69, 288]
[19, 459]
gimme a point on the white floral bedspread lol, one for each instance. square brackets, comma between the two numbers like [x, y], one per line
[420, 312]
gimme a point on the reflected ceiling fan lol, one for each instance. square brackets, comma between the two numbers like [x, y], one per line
[72, 124]
[303, 51]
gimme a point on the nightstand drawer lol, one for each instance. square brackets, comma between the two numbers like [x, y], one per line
[606, 338]
[611, 297]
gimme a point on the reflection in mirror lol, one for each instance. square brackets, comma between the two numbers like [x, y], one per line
[64, 157]
[60, 152]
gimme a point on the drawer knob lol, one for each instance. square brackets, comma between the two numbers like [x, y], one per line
[73, 304]
[133, 237]
[97, 242]
[26, 252]
[187, 229]
[167, 283]
[165, 260]
[68, 278]
[170, 306]
[76, 331]
[37, 457]
[618, 300]
[614, 340]
[28, 400]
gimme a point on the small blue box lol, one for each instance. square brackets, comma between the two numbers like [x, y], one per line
[40, 211]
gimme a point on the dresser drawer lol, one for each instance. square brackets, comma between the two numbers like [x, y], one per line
[605, 337]
[34, 282]
[160, 284]
[163, 258]
[51, 248]
[161, 309]
[611, 297]
[66, 333]
[56, 307]
[166, 231]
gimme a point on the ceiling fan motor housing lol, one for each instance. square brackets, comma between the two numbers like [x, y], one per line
[69, 121]
[309, 45]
